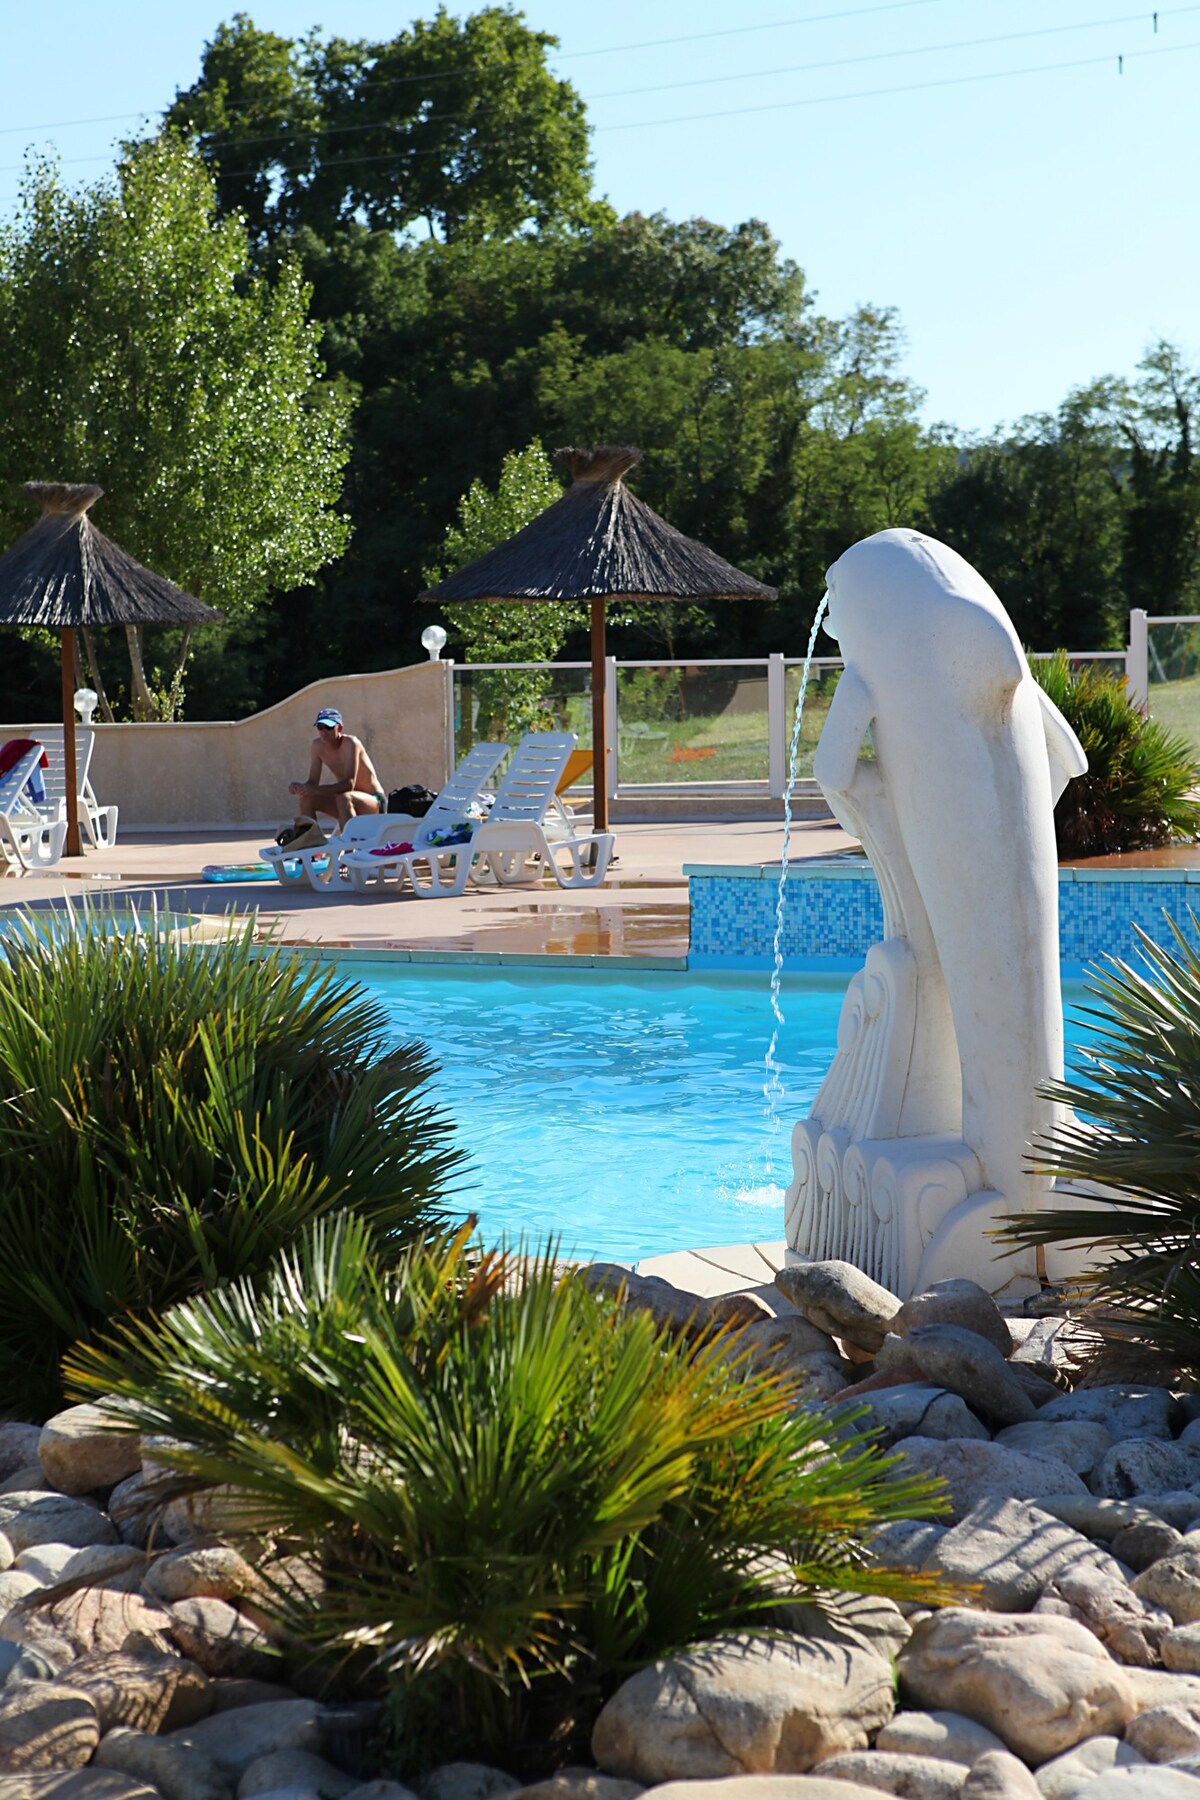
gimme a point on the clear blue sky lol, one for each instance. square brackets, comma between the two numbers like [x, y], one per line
[1029, 210]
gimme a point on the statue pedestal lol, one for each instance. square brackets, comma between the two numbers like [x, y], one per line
[906, 1209]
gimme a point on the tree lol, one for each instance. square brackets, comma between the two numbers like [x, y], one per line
[507, 633]
[455, 124]
[144, 354]
[1039, 515]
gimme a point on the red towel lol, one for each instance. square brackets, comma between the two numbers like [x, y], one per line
[12, 752]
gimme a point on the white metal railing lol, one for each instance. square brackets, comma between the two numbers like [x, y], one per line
[774, 669]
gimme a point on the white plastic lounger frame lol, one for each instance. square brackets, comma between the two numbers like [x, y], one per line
[28, 840]
[98, 822]
[319, 866]
[451, 808]
[511, 842]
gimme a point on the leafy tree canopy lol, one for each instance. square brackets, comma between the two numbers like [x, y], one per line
[455, 125]
[145, 354]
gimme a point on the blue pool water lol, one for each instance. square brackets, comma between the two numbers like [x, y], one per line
[626, 1116]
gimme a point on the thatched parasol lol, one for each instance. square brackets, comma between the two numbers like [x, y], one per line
[599, 542]
[63, 574]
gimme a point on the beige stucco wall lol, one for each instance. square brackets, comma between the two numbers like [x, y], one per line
[236, 772]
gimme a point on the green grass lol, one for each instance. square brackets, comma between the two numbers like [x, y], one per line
[1176, 705]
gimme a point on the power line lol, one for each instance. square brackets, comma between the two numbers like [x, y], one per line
[1090, 62]
[842, 62]
[309, 137]
[559, 56]
[914, 87]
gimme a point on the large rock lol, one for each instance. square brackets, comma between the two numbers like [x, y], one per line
[1062, 1346]
[1013, 1550]
[745, 1706]
[18, 1446]
[142, 1690]
[1066, 1776]
[838, 1298]
[39, 1517]
[917, 1408]
[948, 1736]
[1162, 1733]
[766, 1787]
[1144, 1784]
[1144, 1543]
[174, 1768]
[79, 1784]
[1125, 1409]
[913, 1777]
[904, 1543]
[970, 1365]
[1077, 1442]
[236, 1739]
[569, 1783]
[46, 1725]
[222, 1641]
[1180, 1649]
[956, 1302]
[302, 1769]
[96, 1565]
[211, 1572]
[91, 1619]
[1145, 1466]
[999, 1776]
[79, 1450]
[1041, 1684]
[976, 1471]
[1173, 1582]
[1105, 1603]
[467, 1781]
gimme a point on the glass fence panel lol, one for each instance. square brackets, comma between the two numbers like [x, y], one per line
[692, 722]
[1173, 666]
[822, 681]
[502, 704]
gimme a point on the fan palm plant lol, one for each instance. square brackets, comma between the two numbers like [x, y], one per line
[518, 1491]
[1141, 780]
[1138, 1141]
[172, 1115]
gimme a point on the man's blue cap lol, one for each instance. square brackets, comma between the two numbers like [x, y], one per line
[328, 715]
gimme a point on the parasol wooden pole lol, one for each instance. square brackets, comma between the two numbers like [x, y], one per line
[599, 721]
[74, 844]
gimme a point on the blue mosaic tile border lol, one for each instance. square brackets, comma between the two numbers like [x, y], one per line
[838, 913]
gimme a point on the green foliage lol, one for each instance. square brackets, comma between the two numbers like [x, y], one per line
[513, 702]
[1136, 1139]
[1141, 780]
[456, 124]
[142, 352]
[172, 1116]
[518, 1491]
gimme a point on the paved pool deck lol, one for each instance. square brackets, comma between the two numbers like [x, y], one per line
[640, 913]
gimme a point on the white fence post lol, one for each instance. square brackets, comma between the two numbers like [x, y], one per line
[449, 736]
[612, 773]
[1137, 660]
[776, 724]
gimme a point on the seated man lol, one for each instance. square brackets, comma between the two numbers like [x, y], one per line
[354, 787]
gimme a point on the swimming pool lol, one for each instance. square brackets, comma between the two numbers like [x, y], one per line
[626, 1115]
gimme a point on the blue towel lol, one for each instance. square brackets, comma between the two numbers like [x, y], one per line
[35, 787]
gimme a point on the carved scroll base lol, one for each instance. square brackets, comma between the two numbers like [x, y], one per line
[881, 1177]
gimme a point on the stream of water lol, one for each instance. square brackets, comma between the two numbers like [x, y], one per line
[772, 1080]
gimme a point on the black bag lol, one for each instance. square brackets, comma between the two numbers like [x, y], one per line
[415, 800]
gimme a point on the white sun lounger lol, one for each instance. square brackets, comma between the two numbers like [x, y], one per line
[28, 840]
[511, 843]
[452, 808]
[98, 822]
[319, 865]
